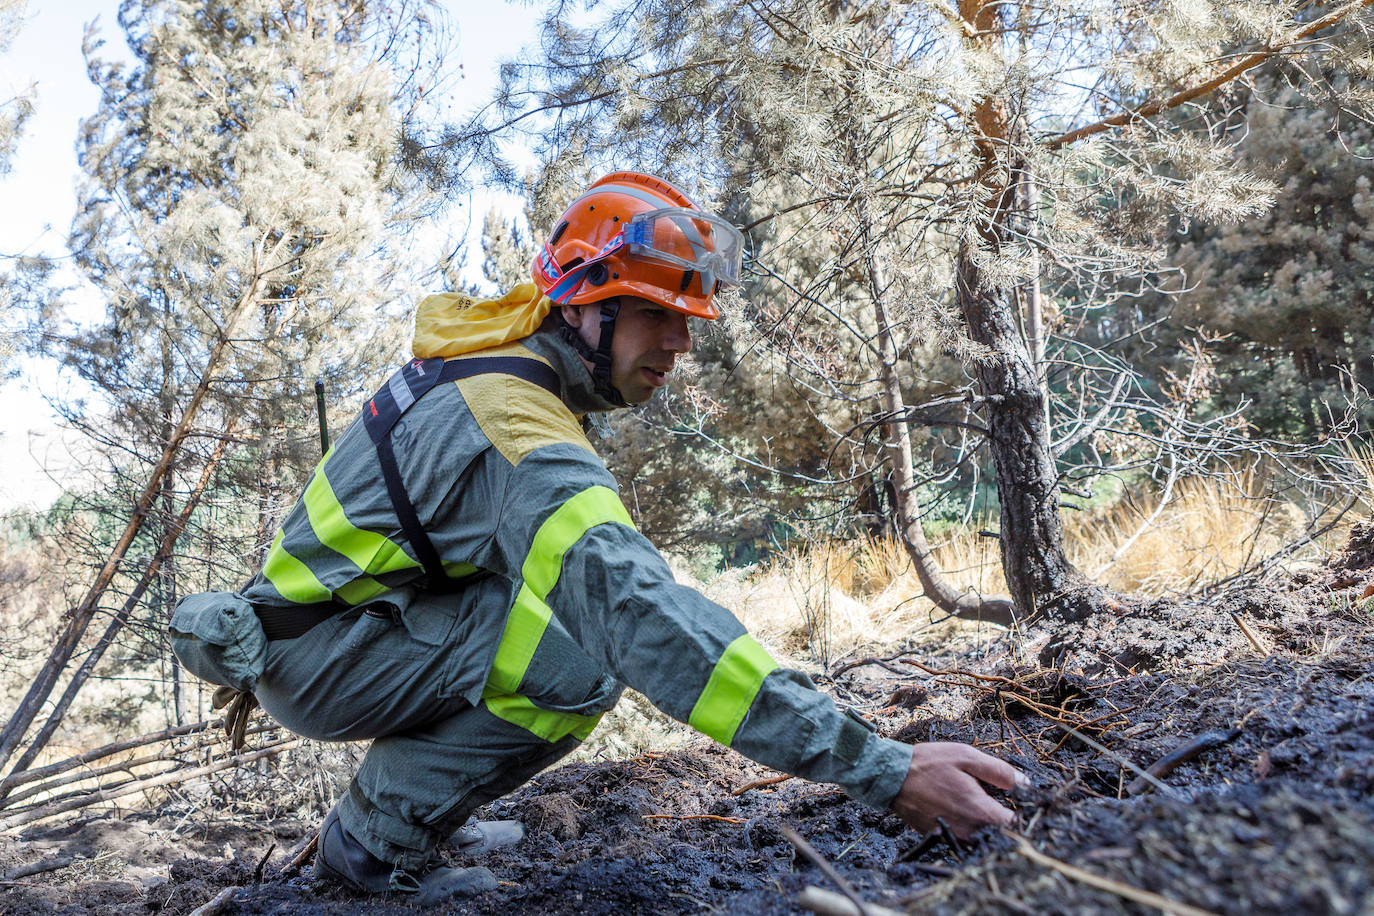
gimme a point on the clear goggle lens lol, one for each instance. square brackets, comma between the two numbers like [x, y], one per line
[690, 239]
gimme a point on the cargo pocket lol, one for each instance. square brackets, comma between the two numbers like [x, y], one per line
[372, 624]
[562, 677]
[219, 639]
[601, 698]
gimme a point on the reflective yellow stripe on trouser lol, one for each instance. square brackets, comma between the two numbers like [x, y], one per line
[371, 552]
[529, 615]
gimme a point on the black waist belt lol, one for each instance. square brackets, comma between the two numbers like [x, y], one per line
[296, 619]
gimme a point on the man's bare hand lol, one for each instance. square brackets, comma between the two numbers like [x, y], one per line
[943, 783]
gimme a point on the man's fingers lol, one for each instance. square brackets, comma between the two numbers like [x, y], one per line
[946, 780]
[979, 808]
[992, 771]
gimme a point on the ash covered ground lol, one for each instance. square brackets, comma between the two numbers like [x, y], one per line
[1274, 813]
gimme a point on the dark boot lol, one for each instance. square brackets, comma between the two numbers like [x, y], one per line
[341, 858]
[477, 837]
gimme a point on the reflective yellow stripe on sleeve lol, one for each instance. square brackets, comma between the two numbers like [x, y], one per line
[731, 689]
[292, 578]
[371, 552]
[541, 569]
[529, 615]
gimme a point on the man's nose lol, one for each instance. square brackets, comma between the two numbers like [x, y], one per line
[677, 335]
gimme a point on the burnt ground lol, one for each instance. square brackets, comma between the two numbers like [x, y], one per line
[1275, 815]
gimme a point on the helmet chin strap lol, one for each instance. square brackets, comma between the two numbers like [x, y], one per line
[600, 355]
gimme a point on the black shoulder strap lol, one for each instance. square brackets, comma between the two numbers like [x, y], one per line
[385, 409]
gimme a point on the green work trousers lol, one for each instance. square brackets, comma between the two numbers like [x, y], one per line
[411, 679]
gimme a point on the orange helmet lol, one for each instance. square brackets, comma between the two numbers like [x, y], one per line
[631, 234]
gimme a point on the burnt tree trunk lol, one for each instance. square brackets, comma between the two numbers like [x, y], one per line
[1038, 572]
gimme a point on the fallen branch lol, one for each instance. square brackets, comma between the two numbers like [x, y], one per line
[760, 783]
[37, 868]
[16, 779]
[955, 672]
[123, 766]
[861, 906]
[829, 903]
[692, 817]
[881, 662]
[112, 790]
[1179, 756]
[217, 905]
[301, 857]
[1164, 904]
[30, 815]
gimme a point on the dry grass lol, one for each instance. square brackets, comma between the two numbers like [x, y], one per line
[832, 598]
[1206, 532]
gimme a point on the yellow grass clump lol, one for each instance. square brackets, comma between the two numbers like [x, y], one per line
[1207, 531]
[834, 598]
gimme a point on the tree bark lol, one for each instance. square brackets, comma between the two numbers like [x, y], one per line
[1038, 572]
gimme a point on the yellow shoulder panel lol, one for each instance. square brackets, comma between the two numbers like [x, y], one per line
[518, 416]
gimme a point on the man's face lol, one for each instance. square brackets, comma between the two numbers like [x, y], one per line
[647, 339]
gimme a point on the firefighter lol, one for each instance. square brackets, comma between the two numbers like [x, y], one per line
[460, 583]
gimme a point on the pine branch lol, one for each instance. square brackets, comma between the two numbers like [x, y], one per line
[1249, 62]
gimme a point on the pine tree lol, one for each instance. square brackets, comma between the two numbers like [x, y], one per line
[243, 220]
[1287, 296]
[939, 162]
[14, 113]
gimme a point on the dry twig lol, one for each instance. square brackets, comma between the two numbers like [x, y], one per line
[861, 906]
[1148, 898]
[217, 905]
[166, 755]
[1179, 756]
[40, 812]
[692, 817]
[15, 779]
[301, 857]
[262, 863]
[760, 783]
[873, 660]
[1164, 787]
[828, 903]
[1254, 638]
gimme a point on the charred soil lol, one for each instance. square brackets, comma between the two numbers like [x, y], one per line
[1256, 708]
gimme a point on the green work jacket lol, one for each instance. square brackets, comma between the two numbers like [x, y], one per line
[506, 484]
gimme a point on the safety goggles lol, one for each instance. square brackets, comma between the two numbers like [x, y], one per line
[690, 239]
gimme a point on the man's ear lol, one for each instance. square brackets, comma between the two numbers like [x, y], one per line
[572, 315]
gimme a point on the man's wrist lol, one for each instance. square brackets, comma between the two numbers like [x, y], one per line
[884, 765]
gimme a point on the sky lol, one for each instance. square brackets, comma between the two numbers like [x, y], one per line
[37, 197]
